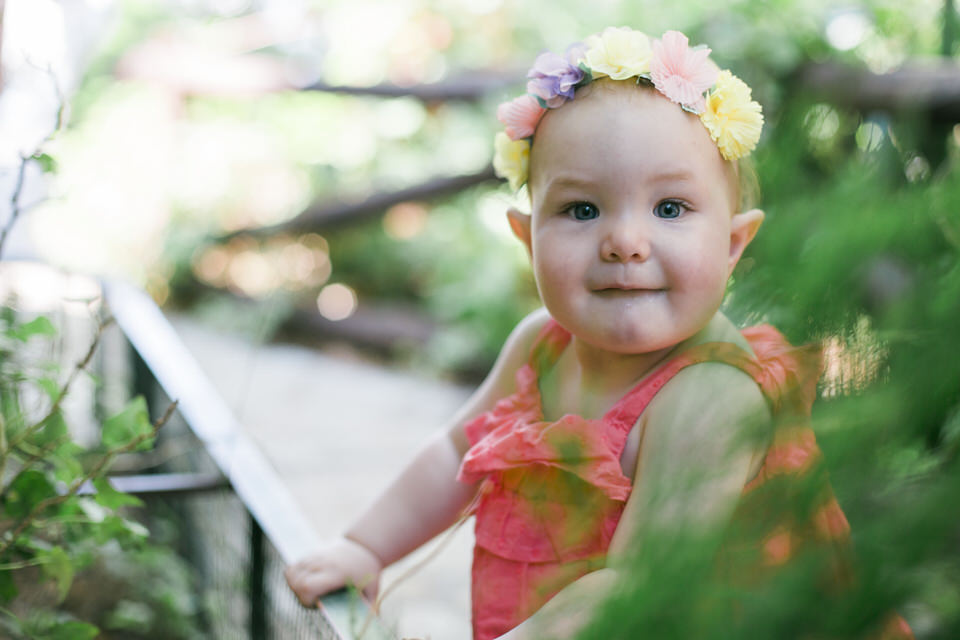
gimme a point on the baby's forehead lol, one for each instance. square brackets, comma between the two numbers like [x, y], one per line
[626, 125]
[613, 115]
[606, 107]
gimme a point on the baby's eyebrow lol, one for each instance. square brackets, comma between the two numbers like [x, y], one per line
[575, 182]
[678, 175]
[567, 181]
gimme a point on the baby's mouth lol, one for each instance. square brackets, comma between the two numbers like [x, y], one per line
[626, 290]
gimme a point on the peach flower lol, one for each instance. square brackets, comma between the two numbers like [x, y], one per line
[521, 116]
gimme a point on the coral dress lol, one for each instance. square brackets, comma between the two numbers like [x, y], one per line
[552, 493]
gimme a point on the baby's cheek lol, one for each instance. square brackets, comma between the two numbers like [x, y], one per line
[555, 277]
[708, 261]
[563, 267]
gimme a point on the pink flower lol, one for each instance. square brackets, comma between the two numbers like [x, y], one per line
[521, 116]
[681, 73]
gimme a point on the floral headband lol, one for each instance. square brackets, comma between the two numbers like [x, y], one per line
[682, 73]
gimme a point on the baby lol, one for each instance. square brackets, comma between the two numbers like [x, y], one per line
[629, 385]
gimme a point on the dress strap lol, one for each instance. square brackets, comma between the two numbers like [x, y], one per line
[623, 415]
[547, 347]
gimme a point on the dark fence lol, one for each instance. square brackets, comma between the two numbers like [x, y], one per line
[239, 523]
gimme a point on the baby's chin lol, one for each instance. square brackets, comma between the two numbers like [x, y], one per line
[632, 338]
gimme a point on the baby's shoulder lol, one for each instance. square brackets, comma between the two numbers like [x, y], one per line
[713, 392]
[523, 336]
[711, 386]
[516, 351]
[711, 402]
[722, 329]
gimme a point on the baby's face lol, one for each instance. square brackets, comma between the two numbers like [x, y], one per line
[630, 235]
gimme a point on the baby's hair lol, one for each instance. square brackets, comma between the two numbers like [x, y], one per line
[748, 183]
[744, 180]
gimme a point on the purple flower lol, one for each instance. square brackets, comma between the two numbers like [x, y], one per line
[576, 52]
[553, 77]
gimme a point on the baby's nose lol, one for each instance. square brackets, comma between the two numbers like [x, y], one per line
[625, 241]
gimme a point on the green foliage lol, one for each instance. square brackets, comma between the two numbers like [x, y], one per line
[27, 490]
[49, 627]
[111, 498]
[51, 536]
[129, 426]
[39, 326]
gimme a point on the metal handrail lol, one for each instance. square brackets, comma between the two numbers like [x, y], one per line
[242, 464]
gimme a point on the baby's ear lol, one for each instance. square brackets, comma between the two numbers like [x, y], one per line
[520, 225]
[743, 227]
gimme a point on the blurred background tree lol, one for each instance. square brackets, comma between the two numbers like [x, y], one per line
[189, 126]
[321, 169]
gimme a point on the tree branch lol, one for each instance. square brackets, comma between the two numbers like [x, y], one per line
[324, 216]
[14, 201]
[94, 472]
[29, 463]
[26, 433]
[469, 86]
[928, 86]
[15, 208]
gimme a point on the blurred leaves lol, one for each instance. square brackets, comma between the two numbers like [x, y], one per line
[58, 567]
[27, 490]
[49, 534]
[132, 423]
[111, 498]
[40, 326]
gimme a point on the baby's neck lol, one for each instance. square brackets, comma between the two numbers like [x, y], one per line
[588, 381]
[603, 371]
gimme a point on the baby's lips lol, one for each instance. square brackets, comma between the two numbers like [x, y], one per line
[625, 286]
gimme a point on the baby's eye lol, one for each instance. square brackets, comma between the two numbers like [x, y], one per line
[669, 209]
[582, 211]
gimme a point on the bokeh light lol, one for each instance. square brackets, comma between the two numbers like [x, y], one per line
[337, 302]
[847, 29]
[405, 220]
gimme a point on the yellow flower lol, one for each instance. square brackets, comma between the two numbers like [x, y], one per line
[732, 117]
[618, 52]
[511, 159]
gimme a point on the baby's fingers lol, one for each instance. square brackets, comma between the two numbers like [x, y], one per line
[309, 583]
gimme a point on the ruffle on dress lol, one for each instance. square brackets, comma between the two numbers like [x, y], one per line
[787, 374]
[552, 491]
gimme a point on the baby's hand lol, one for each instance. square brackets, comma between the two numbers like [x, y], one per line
[338, 564]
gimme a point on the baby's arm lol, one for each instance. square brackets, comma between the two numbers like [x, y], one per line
[425, 498]
[703, 436]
